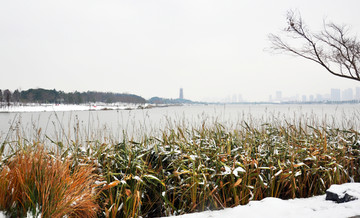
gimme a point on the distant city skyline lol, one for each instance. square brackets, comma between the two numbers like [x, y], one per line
[334, 94]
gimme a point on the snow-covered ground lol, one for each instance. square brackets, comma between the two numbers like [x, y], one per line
[316, 207]
[68, 107]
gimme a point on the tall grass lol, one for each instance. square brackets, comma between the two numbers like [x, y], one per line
[34, 182]
[186, 168]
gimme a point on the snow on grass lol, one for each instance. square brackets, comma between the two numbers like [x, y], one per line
[316, 207]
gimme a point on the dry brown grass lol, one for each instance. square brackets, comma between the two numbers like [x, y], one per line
[34, 182]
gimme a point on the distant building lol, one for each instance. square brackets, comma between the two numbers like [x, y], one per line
[357, 93]
[270, 98]
[240, 98]
[181, 96]
[319, 97]
[303, 98]
[278, 96]
[311, 98]
[335, 95]
[347, 95]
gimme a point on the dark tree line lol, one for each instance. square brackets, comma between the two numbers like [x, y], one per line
[5, 97]
[53, 96]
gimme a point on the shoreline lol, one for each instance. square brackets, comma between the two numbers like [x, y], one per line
[33, 107]
[75, 107]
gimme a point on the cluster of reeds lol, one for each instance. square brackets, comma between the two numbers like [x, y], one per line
[211, 168]
[190, 169]
[38, 184]
[195, 169]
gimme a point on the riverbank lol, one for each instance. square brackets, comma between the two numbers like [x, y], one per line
[72, 107]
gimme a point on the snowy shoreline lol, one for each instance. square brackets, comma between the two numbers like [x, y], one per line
[72, 107]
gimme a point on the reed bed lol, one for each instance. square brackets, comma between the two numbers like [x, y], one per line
[188, 168]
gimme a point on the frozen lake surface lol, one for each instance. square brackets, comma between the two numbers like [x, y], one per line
[56, 121]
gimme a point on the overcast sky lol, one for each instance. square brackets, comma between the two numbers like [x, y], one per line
[212, 49]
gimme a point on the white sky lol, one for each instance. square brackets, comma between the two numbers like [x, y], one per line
[211, 49]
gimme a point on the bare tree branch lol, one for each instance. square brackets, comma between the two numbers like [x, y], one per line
[332, 48]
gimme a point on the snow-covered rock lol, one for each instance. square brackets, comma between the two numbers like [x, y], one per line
[343, 193]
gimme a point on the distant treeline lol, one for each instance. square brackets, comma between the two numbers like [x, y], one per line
[53, 96]
[158, 100]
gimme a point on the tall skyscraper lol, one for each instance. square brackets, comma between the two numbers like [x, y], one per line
[181, 96]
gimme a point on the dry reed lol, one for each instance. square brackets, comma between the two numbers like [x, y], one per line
[35, 182]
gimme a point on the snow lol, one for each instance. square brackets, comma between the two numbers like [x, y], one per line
[316, 207]
[68, 107]
[227, 171]
[235, 172]
[238, 170]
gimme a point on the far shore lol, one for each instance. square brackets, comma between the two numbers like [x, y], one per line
[74, 107]
[99, 106]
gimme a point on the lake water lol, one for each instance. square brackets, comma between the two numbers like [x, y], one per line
[113, 123]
